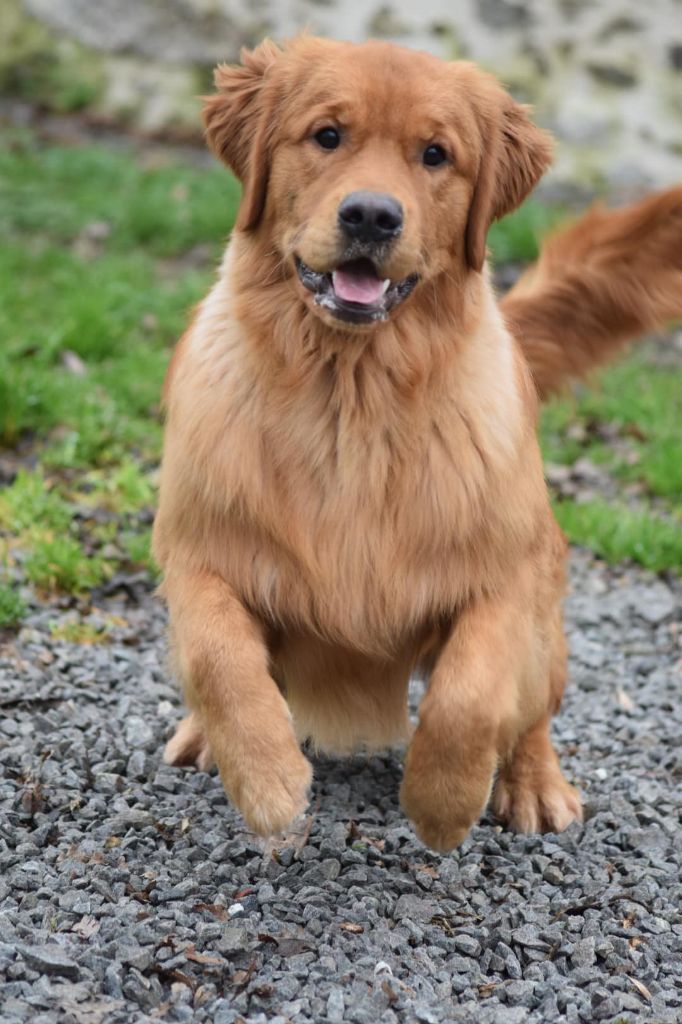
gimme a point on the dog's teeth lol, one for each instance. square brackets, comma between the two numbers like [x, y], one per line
[385, 286]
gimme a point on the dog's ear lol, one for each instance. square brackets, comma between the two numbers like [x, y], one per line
[239, 121]
[516, 154]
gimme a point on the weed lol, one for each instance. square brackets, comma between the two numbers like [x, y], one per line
[59, 563]
[12, 607]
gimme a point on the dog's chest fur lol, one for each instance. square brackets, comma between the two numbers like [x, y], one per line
[334, 497]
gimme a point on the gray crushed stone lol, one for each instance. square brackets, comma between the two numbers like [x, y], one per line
[131, 892]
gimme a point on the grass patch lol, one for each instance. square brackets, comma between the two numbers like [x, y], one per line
[138, 548]
[517, 237]
[88, 233]
[31, 502]
[60, 563]
[74, 631]
[628, 421]
[12, 608]
[615, 533]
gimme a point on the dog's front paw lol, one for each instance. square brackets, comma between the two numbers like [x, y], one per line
[435, 830]
[442, 797]
[271, 792]
[544, 802]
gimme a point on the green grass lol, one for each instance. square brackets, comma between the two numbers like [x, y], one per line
[517, 237]
[642, 401]
[104, 250]
[91, 239]
[636, 404]
[615, 533]
[12, 608]
[60, 563]
[31, 502]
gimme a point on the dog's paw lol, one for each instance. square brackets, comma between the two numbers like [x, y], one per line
[438, 833]
[188, 745]
[442, 802]
[543, 803]
[271, 794]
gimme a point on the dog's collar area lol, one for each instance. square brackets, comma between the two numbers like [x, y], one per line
[354, 292]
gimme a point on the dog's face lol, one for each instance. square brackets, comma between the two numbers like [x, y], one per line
[372, 169]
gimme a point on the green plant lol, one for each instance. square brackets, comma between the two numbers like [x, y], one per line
[30, 501]
[615, 532]
[12, 607]
[59, 563]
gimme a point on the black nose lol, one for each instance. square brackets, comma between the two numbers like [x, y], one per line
[371, 216]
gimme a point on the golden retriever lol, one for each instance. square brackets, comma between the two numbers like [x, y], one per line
[352, 487]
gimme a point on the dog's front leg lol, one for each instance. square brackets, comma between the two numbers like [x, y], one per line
[470, 711]
[223, 661]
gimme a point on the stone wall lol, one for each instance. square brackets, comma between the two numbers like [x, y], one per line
[605, 76]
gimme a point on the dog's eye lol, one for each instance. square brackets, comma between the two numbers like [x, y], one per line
[328, 138]
[434, 155]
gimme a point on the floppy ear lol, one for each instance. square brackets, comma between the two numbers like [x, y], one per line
[517, 154]
[238, 120]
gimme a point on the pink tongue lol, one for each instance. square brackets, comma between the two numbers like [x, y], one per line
[356, 286]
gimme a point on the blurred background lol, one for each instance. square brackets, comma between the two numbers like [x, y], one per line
[113, 215]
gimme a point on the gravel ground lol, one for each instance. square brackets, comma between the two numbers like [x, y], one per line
[130, 891]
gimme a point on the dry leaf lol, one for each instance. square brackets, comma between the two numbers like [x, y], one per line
[201, 958]
[73, 363]
[86, 927]
[425, 869]
[90, 1011]
[624, 700]
[641, 988]
[378, 844]
[217, 909]
[350, 926]
[488, 988]
[389, 992]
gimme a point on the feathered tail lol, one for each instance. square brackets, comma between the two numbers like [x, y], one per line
[598, 283]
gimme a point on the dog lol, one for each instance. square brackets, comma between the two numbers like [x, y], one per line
[351, 488]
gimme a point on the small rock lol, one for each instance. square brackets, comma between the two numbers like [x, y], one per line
[138, 733]
[413, 908]
[233, 939]
[50, 959]
[336, 1005]
[553, 875]
[655, 603]
[467, 944]
[584, 954]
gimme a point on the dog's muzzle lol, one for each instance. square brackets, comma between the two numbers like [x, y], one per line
[354, 292]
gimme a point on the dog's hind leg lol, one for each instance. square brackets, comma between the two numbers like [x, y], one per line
[531, 794]
[189, 745]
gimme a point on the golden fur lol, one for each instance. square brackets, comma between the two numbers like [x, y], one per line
[341, 505]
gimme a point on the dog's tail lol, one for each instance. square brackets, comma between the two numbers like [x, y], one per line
[598, 283]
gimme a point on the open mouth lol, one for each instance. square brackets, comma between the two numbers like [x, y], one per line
[354, 292]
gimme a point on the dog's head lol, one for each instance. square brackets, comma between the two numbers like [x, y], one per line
[370, 169]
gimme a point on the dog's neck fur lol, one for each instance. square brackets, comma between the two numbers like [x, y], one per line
[409, 356]
[442, 358]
